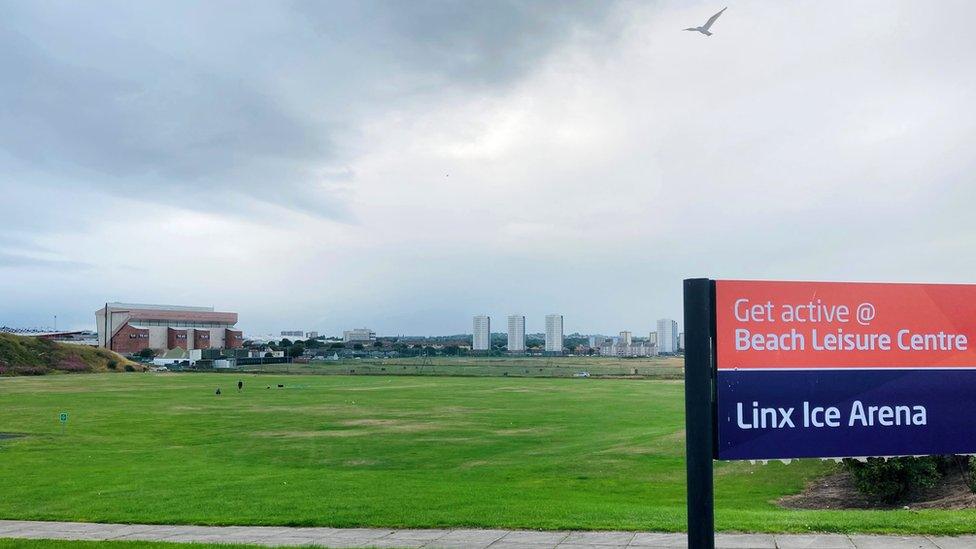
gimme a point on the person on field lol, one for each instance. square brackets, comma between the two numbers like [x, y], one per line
[218, 391]
[240, 386]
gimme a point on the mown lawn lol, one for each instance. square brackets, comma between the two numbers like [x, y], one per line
[511, 366]
[384, 451]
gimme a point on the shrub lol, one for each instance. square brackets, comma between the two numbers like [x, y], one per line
[970, 468]
[147, 353]
[892, 480]
[129, 368]
[72, 363]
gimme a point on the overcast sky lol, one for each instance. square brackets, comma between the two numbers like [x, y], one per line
[405, 165]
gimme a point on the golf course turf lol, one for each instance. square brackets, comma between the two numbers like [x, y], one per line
[417, 452]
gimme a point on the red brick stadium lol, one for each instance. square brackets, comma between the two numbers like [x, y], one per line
[132, 327]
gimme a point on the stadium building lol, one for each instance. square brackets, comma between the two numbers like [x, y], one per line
[131, 327]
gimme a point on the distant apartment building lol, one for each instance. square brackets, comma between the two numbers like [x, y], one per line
[624, 345]
[667, 335]
[299, 334]
[516, 334]
[681, 341]
[615, 347]
[128, 328]
[554, 333]
[481, 333]
[358, 335]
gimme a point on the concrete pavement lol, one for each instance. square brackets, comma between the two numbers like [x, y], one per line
[271, 536]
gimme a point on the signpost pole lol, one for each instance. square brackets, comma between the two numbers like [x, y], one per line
[699, 410]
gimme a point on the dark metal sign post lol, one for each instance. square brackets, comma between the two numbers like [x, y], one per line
[700, 415]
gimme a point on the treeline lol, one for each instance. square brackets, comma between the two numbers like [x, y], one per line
[499, 346]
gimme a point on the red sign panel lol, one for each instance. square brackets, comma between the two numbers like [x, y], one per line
[844, 325]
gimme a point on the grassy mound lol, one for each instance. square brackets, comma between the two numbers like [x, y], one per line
[21, 355]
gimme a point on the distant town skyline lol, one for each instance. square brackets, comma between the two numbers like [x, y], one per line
[402, 165]
[527, 323]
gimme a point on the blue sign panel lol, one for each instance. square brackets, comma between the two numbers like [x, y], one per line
[845, 413]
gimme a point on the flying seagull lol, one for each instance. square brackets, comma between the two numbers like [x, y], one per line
[708, 24]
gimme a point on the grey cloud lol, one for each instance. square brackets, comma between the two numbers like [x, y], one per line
[475, 43]
[17, 261]
[161, 133]
[215, 106]
[182, 129]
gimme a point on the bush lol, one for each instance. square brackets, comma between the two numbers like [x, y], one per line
[970, 468]
[72, 364]
[129, 368]
[894, 479]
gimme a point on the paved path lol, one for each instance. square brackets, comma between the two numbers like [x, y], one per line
[456, 538]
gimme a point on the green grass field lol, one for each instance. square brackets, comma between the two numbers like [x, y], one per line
[384, 451]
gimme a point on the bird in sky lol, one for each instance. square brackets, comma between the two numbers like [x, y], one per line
[708, 24]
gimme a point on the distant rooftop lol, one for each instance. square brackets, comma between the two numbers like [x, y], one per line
[37, 331]
[157, 307]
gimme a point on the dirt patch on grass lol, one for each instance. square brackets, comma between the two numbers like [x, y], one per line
[185, 408]
[517, 389]
[311, 409]
[664, 445]
[675, 437]
[391, 425]
[837, 491]
[355, 428]
[360, 462]
[632, 449]
[340, 433]
[452, 410]
[393, 386]
[473, 464]
[53, 387]
[522, 431]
